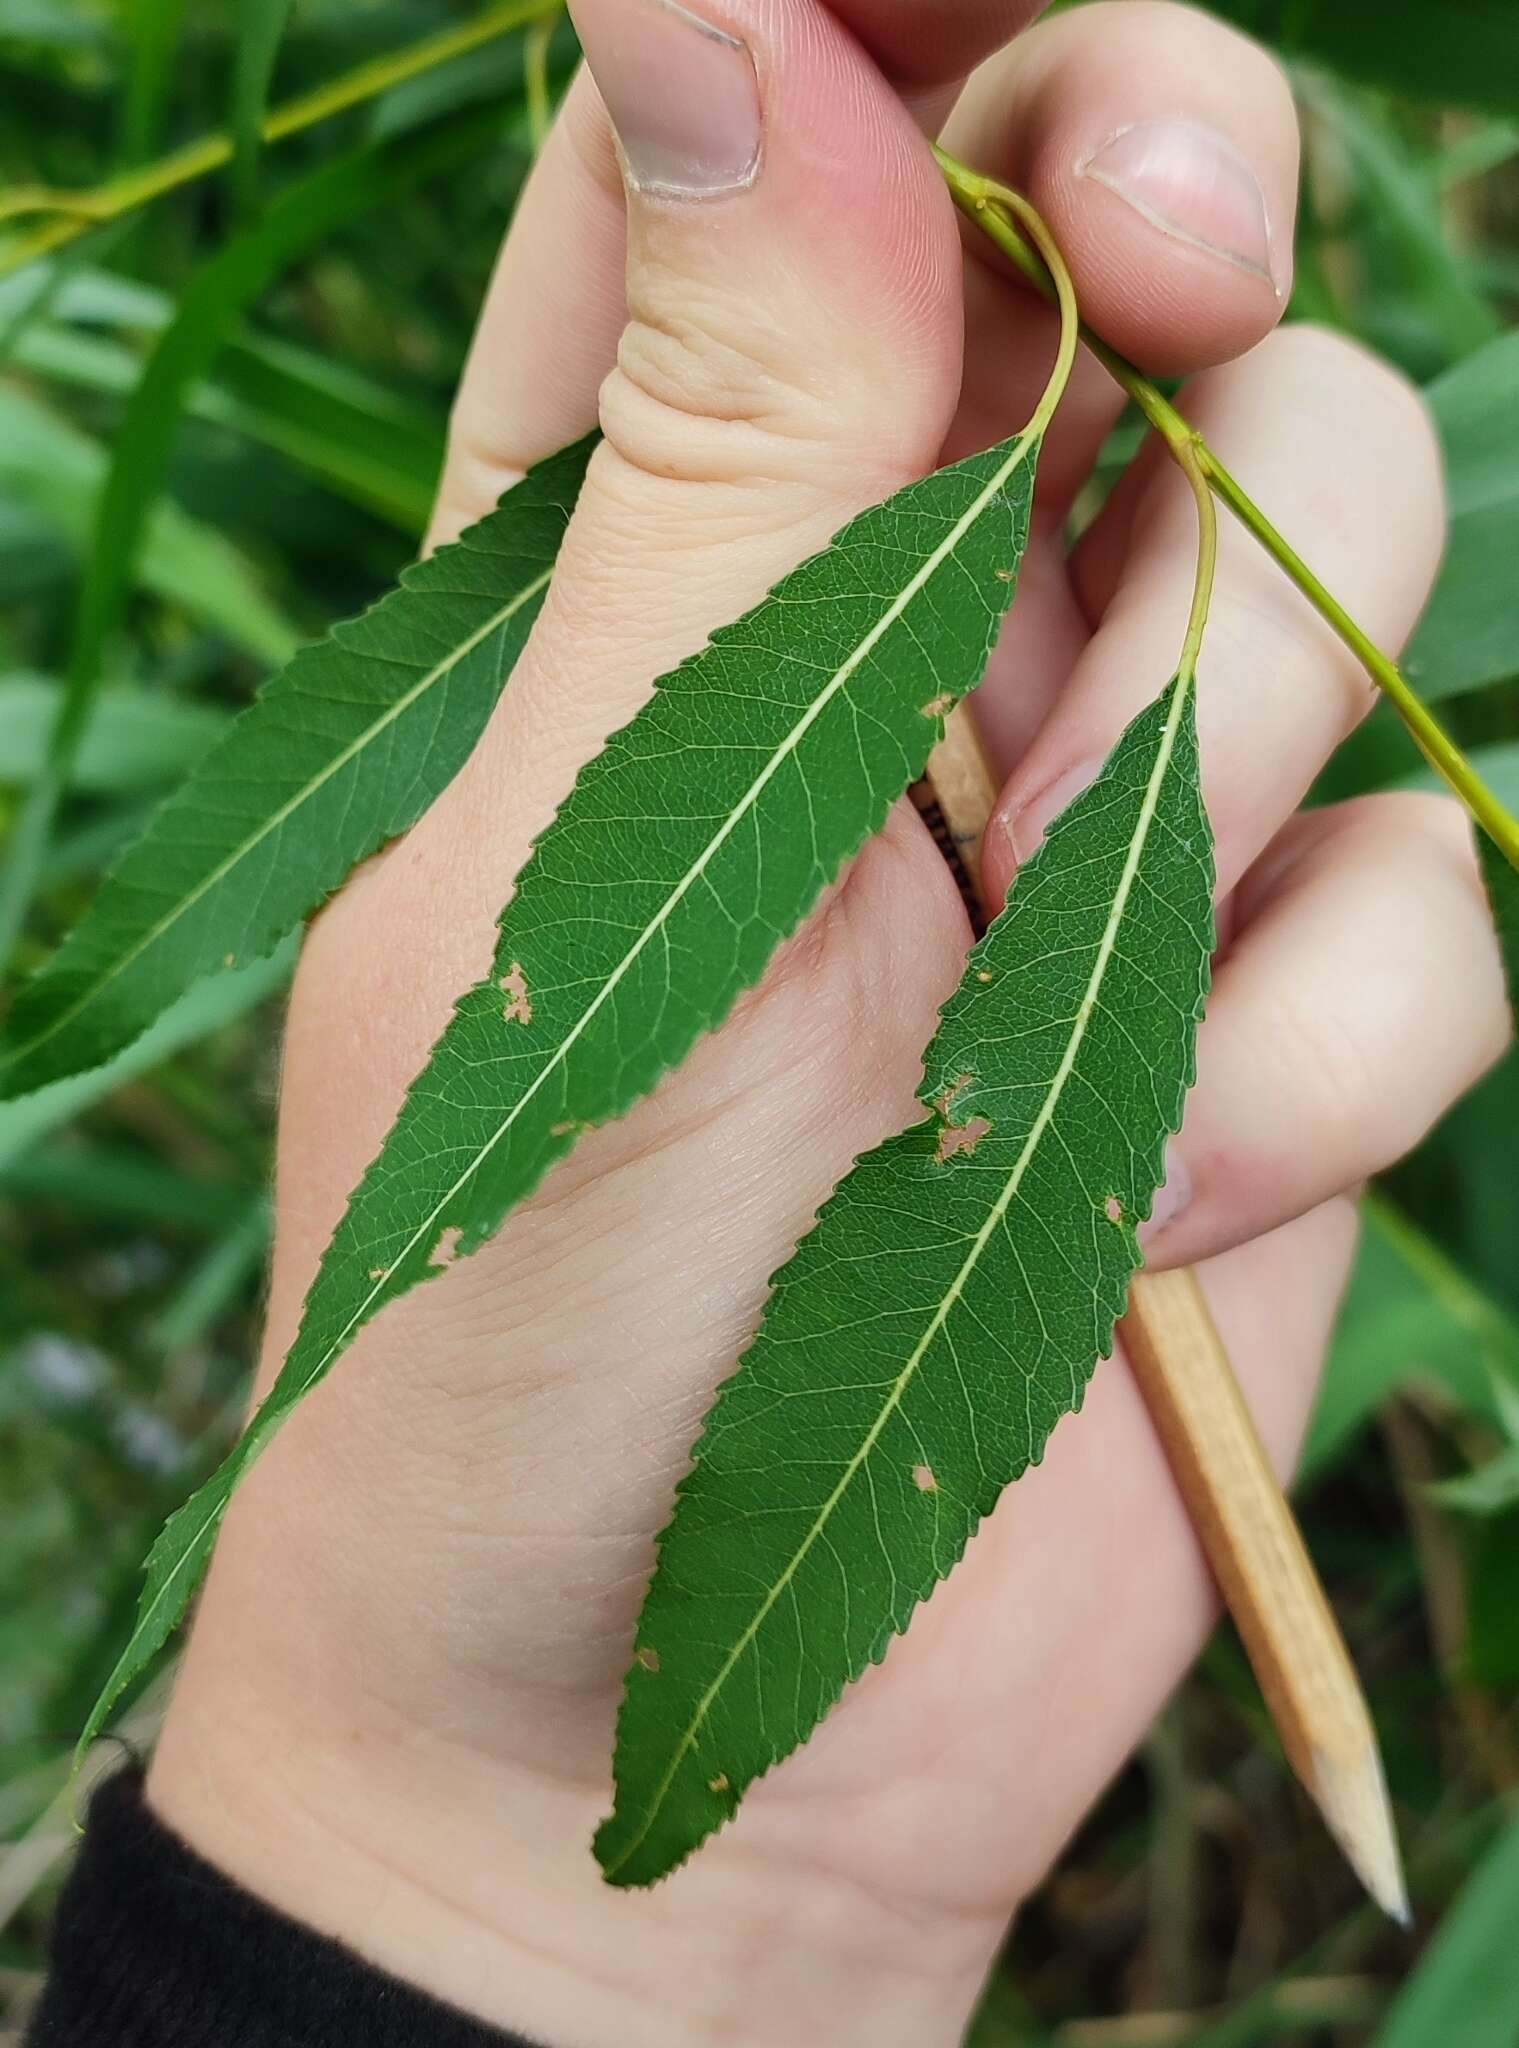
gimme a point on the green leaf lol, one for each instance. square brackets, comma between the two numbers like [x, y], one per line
[753, 773]
[195, 1016]
[57, 471]
[945, 1312]
[1410, 1316]
[1462, 50]
[338, 754]
[138, 739]
[353, 433]
[1498, 765]
[260, 29]
[1466, 1988]
[157, 29]
[1490, 1489]
[1469, 634]
[217, 296]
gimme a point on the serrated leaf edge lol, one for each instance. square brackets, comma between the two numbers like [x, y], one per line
[1183, 687]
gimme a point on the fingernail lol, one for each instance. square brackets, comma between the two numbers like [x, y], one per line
[1192, 183]
[1171, 1197]
[682, 94]
[1026, 825]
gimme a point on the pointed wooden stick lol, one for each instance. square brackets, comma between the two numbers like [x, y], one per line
[1243, 1521]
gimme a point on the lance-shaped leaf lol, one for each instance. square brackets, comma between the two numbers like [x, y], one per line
[343, 750]
[702, 834]
[944, 1313]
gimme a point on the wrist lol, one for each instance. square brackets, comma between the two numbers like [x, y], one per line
[472, 1878]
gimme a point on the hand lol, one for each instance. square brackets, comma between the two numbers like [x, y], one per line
[396, 1713]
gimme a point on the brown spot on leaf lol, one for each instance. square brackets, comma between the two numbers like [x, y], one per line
[1007, 575]
[940, 706]
[923, 1479]
[985, 974]
[957, 1138]
[719, 1783]
[377, 1273]
[1112, 1208]
[229, 960]
[945, 1103]
[648, 1658]
[519, 1009]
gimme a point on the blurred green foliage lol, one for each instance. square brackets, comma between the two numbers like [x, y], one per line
[279, 366]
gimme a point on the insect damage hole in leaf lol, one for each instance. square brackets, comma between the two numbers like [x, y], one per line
[957, 1141]
[445, 1253]
[519, 1005]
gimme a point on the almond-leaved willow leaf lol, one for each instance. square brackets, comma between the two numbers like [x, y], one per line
[341, 751]
[943, 1314]
[689, 848]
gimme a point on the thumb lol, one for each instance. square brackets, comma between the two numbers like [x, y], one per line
[792, 351]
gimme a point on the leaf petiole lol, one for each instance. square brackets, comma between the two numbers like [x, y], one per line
[1005, 220]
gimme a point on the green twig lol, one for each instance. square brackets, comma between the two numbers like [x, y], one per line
[985, 202]
[78, 212]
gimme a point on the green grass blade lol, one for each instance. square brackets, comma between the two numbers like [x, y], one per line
[216, 298]
[354, 434]
[751, 776]
[157, 31]
[1469, 634]
[1465, 1992]
[1467, 54]
[261, 28]
[944, 1313]
[204, 1011]
[340, 753]
[57, 471]
[138, 739]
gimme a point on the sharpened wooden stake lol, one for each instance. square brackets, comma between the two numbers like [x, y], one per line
[1243, 1521]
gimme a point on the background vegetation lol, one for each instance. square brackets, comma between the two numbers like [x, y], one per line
[221, 417]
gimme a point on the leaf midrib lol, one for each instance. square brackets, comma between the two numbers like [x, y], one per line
[279, 818]
[692, 876]
[264, 1423]
[1085, 1011]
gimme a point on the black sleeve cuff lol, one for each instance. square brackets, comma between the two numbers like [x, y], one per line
[153, 1948]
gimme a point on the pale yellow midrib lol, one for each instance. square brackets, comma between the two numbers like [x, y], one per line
[286, 811]
[253, 1443]
[957, 1286]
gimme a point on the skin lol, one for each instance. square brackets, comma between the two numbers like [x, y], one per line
[395, 1715]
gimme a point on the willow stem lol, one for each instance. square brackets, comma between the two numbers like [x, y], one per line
[989, 205]
[81, 211]
[1207, 558]
[1065, 298]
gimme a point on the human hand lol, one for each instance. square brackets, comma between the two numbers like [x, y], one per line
[395, 1716]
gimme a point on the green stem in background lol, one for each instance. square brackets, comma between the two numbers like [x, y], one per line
[80, 211]
[990, 206]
